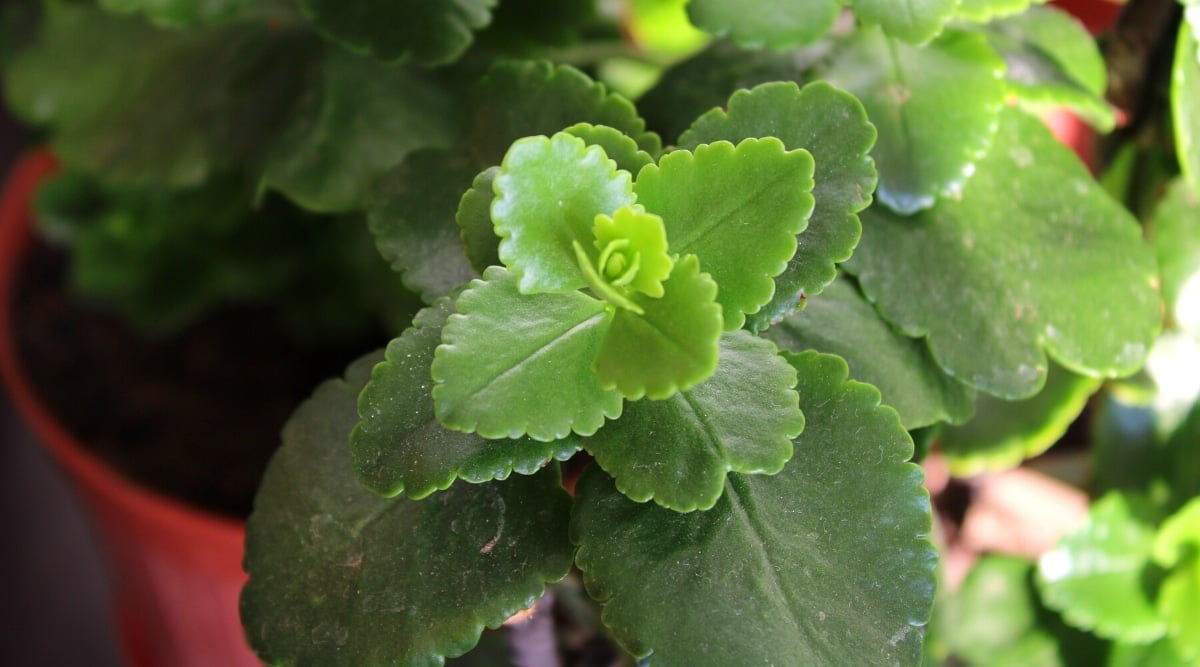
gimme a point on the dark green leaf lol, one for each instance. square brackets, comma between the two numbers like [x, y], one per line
[183, 13]
[768, 23]
[474, 219]
[935, 107]
[618, 146]
[1004, 433]
[1033, 255]
[340, 576]
[362, 120]
[512, 364]
[832, 549]
[432, 32]
[738, 209]
[399, 446]
[840, 321]
[413, 220]
[677, 451]
[1185, 103]
[833, 127]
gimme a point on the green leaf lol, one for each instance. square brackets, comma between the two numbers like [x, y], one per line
[431, 32]
[840, 321]
[677, 451]
[548, 193]
[672, 345]
[474, 219]
[982, 11]
[1157, 654]
[1175, 231]
[1096, 575]
[1053, 62]
[767, 23]
[832, 549]
[618, 146]
[1185, 103]
[526, 98]
[399, 446]
[1177, 546]
[159, 107]
[1033, 255]
[833, 127]
[914, 21]
[512, 364]
[362, 120]
[183, 13]
[738, 209]
[413, 219]
[340, 576]
[1004, 433]
[936, 109]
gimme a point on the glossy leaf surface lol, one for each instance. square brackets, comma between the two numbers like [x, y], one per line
[738, 209]
[837, 579]
[1175, 232]
[840, 321]
[1034, 255]
[387, 580]
[512, 364]
[677, 451]
[767, 23]
[400, 447]
[833, 127]
[618, 146]
[936, 109]
[1185, 103]
[431, 32]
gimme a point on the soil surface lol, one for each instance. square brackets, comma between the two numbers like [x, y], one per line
[195, 415]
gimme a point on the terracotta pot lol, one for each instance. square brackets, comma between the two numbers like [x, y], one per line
[177, 570]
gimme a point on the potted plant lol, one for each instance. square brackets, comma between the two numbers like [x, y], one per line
[684, 350]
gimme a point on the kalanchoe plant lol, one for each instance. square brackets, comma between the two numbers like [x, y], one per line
[859, 237]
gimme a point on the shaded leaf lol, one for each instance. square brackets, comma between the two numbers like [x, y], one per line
[768, 23]
[738, 209]
[431, 32]
[399, 446]
[833, 127]
[677, 451]
[1033, 255]
[512, 364]
[618, 146]
[837, 578]
[474, 219]
[183, 13]
[840, 321]
[936, 109]
[387, 580]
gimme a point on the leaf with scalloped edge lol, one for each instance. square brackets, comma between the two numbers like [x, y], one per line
[831, 125]
[1004, 433]
[1034, 258]
[1095, 576]
[400, 447]
[840, 321]
[982, 11]
[474, 218]
[678, 451]
[548, 193]
[1185, 101]
[834, 548]
[936, 108]
[340, 576]
[618, 146]
[413, 219]
[769, 23]
[914, 21]
[738, 209]
[525, 98]
[513, 364]
[361, 120]
[434, 33]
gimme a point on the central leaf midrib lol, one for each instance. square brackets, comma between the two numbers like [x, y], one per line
[691, 241]
[540, 351]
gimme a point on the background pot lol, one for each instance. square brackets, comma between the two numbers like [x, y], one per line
[176, 570]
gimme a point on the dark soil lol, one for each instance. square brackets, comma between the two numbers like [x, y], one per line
[195, 415]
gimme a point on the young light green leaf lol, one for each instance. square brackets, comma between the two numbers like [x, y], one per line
[769, 23]
[399, 446]
[1160, 653]
[834, 545]
[677, 451]
[833, 127]
[1176, 235]
[548, 193]
[387, 580]
[512, 364]
[618, 146]
[1095, 576]
[474, 219]
[671, 345]
[1185, 103]
[1004, 433]
[936, 109]
[1033, 255]
[363, 120]
[1176, 548]
[840, 321]
[738, 209]
[431, 32]
[914, 21]
[413, 219]
[982, 11]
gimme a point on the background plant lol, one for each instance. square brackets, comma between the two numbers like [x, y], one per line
[744, 297]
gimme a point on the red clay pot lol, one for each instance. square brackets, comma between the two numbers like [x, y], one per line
[177, 570]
